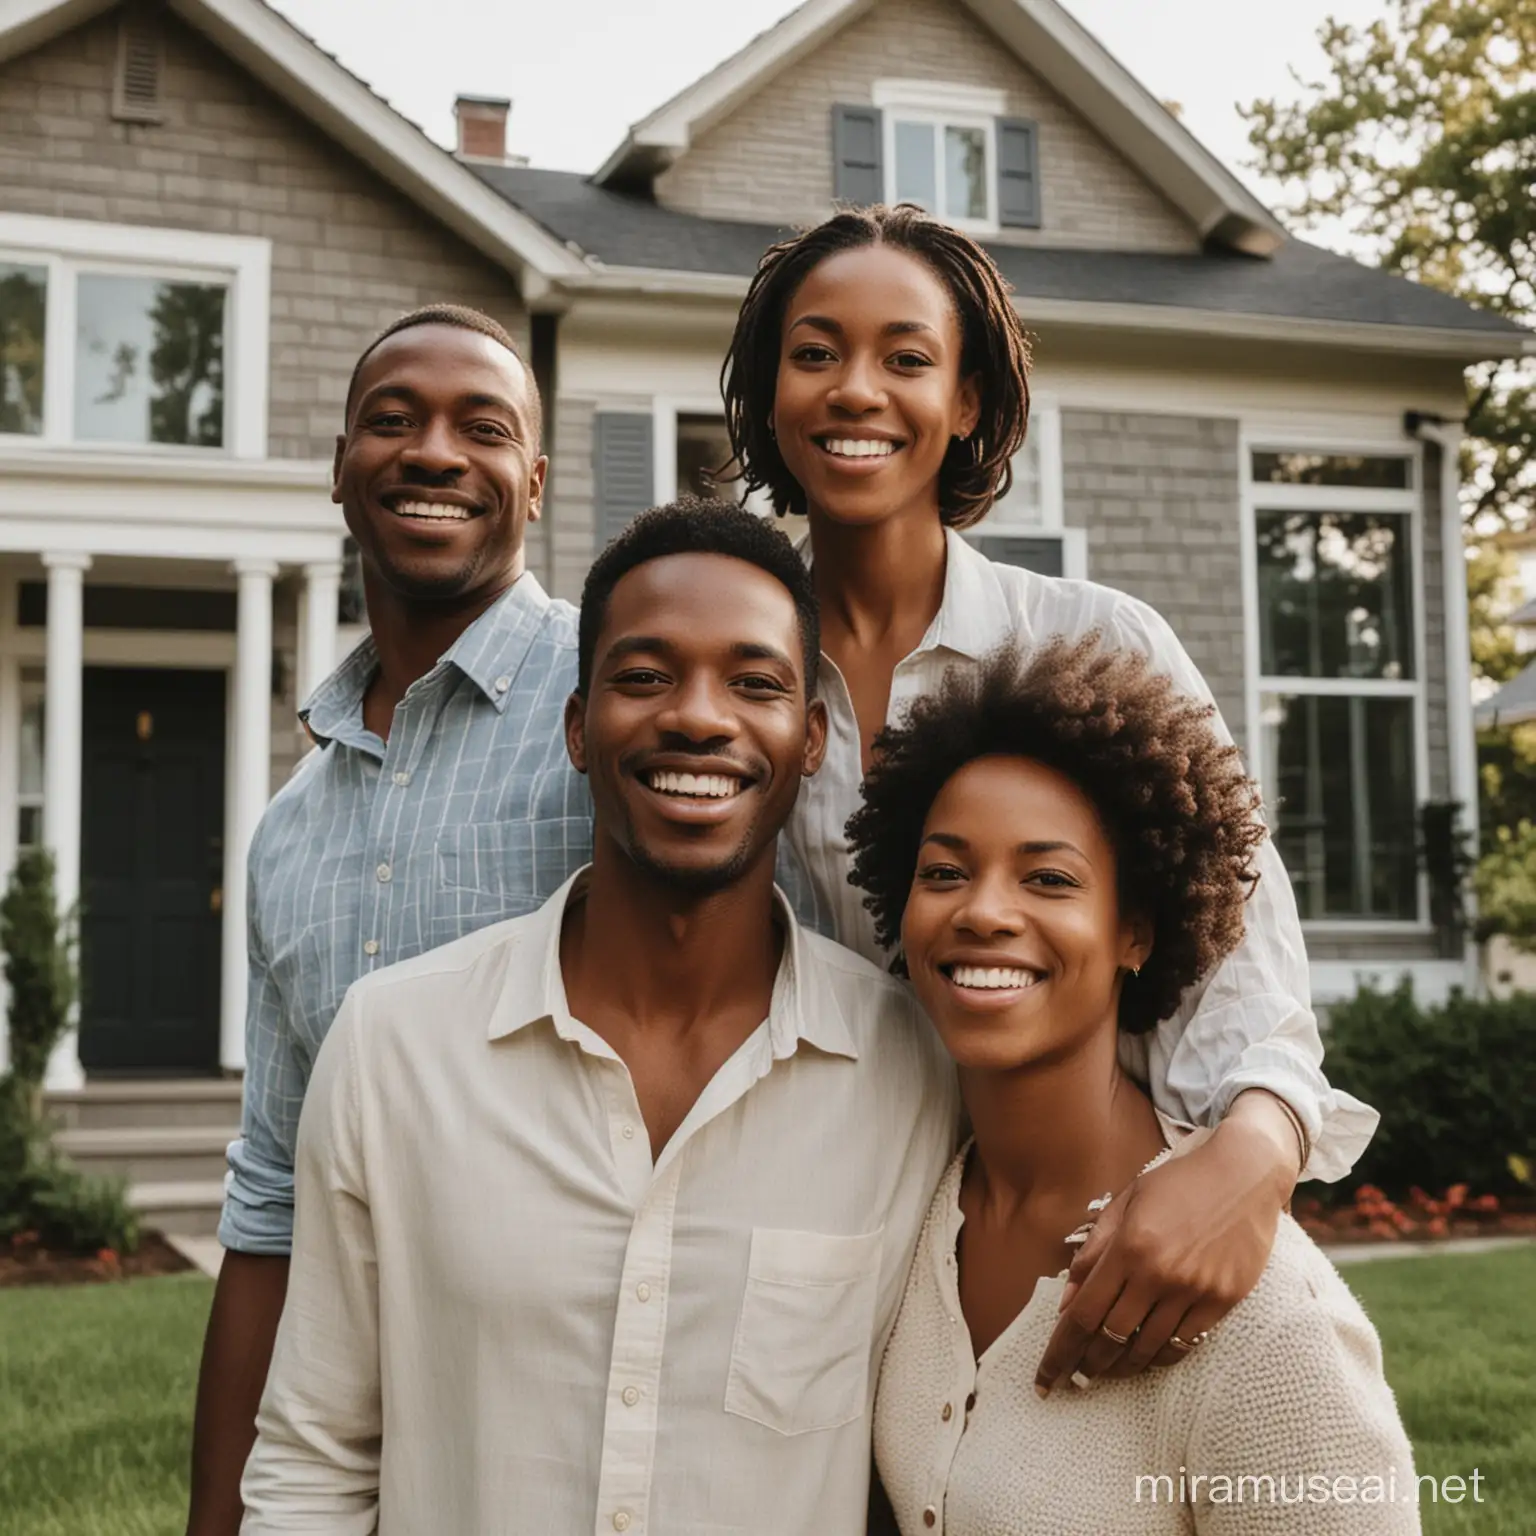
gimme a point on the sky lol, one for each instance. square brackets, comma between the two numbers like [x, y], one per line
[579, 72]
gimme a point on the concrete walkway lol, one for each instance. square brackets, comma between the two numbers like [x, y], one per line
[1365, 1253]
[205, 1252]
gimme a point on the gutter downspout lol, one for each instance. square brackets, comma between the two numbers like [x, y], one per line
[1461, 728]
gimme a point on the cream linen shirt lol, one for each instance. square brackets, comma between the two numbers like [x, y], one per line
[1281, 1422]
[1249, 1024]
[503, 1317]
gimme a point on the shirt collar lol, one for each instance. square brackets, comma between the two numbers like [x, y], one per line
[973, 617]
[799, 1010]
[488, 653]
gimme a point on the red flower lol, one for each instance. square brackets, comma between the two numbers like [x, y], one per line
[1438, 1227]
[1456, 1195]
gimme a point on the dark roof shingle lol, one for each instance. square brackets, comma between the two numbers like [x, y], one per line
[1299, 281]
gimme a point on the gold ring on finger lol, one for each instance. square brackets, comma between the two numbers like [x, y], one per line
[1113, 1337]
[1188, 1344]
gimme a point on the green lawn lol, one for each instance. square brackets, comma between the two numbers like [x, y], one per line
[96, 1393]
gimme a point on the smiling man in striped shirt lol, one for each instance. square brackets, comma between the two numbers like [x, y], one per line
[441, 798]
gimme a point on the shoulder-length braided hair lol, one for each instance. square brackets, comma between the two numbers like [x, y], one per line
[993, 349]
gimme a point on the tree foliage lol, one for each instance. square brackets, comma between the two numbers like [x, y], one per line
[1421, 139]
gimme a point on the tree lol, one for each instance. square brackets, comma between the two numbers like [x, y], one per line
[1422, 140]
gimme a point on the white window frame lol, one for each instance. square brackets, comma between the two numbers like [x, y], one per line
[1261, 496]
[941, 105]
[69, 248]
[1004, 520]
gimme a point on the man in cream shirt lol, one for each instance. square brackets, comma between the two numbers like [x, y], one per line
[604, 1213]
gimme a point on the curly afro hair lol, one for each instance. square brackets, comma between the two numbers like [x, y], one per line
[1180, 812]
[993, 348]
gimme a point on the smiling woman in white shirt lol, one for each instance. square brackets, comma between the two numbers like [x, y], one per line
[1059, 849]
[877, 383]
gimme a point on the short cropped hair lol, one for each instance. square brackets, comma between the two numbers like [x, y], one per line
[993, 349]
[1179, 811]
[463, 318]
[693, 526]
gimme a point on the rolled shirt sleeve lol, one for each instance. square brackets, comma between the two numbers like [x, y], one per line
[315, 1466]
[258, 1188]
[1249, 1024]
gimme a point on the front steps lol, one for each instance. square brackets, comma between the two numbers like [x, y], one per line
[166, 1138]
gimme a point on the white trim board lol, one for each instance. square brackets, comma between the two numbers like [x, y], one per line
[1336, 981]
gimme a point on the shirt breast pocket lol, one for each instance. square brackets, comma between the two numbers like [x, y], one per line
[503, 869]
[800, 1361]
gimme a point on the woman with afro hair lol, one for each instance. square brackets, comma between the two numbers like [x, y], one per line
[878, 384]
[1055, 851]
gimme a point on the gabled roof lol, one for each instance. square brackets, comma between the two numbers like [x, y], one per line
[1044, 37]
[1300, 293]
[296, 69]
[1513, 704]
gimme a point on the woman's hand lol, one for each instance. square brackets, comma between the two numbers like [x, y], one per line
[1174, 1253]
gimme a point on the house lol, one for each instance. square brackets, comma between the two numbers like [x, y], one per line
[204, 217]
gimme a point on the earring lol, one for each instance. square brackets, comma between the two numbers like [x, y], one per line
[978, 451]
[1135, 970]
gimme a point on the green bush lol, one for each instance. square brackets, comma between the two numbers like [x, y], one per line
[1455, 1085]
[39, 1191]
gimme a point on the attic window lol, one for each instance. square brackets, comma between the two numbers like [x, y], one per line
[140, 65]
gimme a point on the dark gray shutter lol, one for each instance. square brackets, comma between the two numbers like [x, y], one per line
[858, 169]
[1018, 173]
[1042, 555]
[623, 469]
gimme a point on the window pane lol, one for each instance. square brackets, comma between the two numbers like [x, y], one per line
[1334, 595]
[1378, 472]
[1021, 507]
[149, 361]
[23, 311]
[916, 175]
[29, 781]
[965, 173]
[351, 603]
[703, 448]
[1345, 818]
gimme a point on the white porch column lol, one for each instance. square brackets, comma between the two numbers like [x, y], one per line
[62, 752]
[317, 625]
[249, 786]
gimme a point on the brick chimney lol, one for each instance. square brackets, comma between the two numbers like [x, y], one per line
[482, 122]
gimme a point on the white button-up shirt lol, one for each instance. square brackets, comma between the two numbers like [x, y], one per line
[1249, 1024]
[503, 1317]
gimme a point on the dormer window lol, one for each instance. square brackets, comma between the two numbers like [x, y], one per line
[948, 148]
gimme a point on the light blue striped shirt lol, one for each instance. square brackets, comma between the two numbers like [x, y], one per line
[376, 851]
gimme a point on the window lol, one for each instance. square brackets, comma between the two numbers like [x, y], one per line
[29, 796]
[23, 305]
[132, 338]
[1340, 691]
[940, 149]
[1027, 527]
[703, 449]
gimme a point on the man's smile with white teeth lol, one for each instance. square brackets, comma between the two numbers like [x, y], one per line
[701, 786]
[433, 511]
[858, 447]
[995, 978]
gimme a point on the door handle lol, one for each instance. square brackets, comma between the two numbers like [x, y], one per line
[216, 899]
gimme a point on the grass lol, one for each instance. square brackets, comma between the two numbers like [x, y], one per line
[1459, 1335]
[96, 1393]
[96, 1385]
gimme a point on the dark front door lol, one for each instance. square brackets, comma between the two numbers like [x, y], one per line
[151, 861]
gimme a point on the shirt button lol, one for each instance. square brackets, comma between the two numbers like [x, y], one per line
[970, 1402]
[631, 1396]
[948, 1413]
[385, 874]
[402, 778]
[502, 684]
[930, 1516]
[621, 1520]
[628, 1133]
[371, 947]
[643, 1291]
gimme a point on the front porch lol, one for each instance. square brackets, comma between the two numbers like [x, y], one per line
[159, 623]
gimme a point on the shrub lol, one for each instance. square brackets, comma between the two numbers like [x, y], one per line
[39, 1191]
[1455, 1084]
